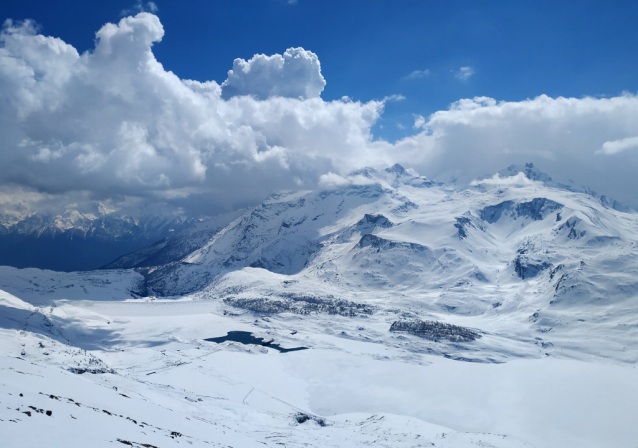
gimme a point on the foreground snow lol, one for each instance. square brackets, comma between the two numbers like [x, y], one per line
[166, 381]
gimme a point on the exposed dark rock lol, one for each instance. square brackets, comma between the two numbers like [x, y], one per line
[466, 222]
[435, 331]
[536, 209]
[301, 417]
[94, 371]
[525, 267]
[375, 221]
[570, 226]
[383, 244]
[301, 304]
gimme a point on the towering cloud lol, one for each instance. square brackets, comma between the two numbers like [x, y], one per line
[113, 122]
[295, 75]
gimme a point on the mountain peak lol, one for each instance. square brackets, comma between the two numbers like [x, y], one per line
[529, 170]
[365, 172]
[396, 169]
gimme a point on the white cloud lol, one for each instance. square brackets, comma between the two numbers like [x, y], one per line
[393, 98]
[560, 135]
[331, 180]
[617, 146]
[464, 73]
[419, 121]
[140, 6]
[112, 124]
[296, 74]
[519, 180]
[417, 74]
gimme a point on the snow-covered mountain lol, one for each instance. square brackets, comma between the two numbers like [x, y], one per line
[74, 241]
[551, 258]
[177, 245]
[501, 314]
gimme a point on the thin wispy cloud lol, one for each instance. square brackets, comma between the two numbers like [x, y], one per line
[417, 74]
[464, 73]
[393, 98]
[140, 6]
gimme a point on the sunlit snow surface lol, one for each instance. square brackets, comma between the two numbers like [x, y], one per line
[546, 276]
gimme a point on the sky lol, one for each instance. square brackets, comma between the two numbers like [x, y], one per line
[136, 104]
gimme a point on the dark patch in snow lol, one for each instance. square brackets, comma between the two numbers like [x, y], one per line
[378, 220]
[435, 331]
[301, 304]
[525, 267]
[383, 244]
[570, 227]
[246, 338]
[466, 222]
[302, 417]
[536, 209]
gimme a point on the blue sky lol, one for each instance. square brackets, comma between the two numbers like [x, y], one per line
[368, 49]
[484, 84]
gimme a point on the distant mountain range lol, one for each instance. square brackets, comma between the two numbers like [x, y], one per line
[74, 241]
[171, 245]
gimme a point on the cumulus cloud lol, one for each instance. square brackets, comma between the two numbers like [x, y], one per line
[113, 122]
[296, 74]
[113, 125]
[464, 73]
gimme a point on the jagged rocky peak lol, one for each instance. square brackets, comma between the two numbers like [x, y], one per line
[397, 169]
[375, 221]
[365, 172]
[529, 170]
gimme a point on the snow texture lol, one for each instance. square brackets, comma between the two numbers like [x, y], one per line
[511, 327]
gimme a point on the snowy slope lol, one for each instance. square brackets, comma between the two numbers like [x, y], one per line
[140, 372]
[511, 256]
[502, 314]
[56, 392]
[176, 246]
